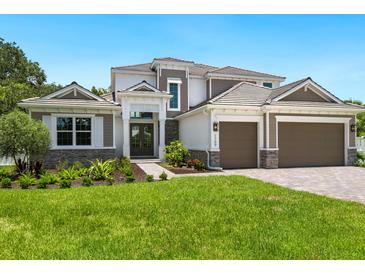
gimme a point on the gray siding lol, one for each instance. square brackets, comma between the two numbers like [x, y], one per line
[219, 86]
[302, 95]
[108, 129]
[181, 74]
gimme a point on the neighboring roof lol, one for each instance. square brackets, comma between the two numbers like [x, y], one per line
[314, 104]
[229, 70]
[199, 69]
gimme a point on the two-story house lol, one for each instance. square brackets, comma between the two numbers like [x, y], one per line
[226, 116]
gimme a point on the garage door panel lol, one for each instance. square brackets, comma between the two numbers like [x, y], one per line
[310, 144]
[238, 144]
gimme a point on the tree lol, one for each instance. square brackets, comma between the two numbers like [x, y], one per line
[20, 78]
[21, 135]
[98, 91]
[15, 66]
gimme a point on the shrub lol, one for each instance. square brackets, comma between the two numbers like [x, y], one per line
[36, 168]
[61, 165]
[83, 172]
[110, 180]
[360, 156]
[199, 165]
[26, 180]
[100, 170]
[78, 165]
[127, 170]
[69, 174]
[48, 178]
[122, 162]
[163, 176]
[6, 182]
[42, 182]
[6, 171]
[22, 135]
[64, 183]
[86, 181]
[149, 178]
[130, 178]
[176, 153]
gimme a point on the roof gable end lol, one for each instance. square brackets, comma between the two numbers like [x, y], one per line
[77, 90]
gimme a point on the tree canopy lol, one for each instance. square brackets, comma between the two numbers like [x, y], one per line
[360, 118]
[22, 135]
[20, 78]
[98, 91]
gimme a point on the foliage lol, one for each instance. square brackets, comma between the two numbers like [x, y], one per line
[26, 180]
[163, 176]
[5, 182]
[14, 65]
[130, 178]
[360, 118]
[110, 180]
[69, 174]
[78, 165]
[48, 178]
[199, 165]
[149, 178]
[86, 181]
[100, 170]
[42, 182]
[127, 170]
[98, 91]
[6, 171]
[176, 153]
[65, 183]
[36, 168]
[122, 162]
[21, 135]
[83, 172]
[61, 165]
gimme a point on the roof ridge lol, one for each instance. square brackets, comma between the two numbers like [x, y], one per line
[299, 81]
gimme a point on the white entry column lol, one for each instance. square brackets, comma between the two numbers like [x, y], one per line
[161, 148]
[126, 120]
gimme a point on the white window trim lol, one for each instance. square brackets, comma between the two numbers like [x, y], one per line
[73, 116]
[316, 119]
[178, 82]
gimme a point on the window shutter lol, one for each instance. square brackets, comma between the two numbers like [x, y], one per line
[98, 132]
[47, 119]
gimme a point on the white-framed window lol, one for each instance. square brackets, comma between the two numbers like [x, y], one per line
[73, 131]
[267, 84]
[174, 87]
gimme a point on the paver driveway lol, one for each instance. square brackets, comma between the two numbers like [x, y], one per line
[340, 182]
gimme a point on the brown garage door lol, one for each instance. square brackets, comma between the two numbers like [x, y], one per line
[238, 144]
[306, 144]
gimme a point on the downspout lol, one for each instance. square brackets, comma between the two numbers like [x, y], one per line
[209, 166]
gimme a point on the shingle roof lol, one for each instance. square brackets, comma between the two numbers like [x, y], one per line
[229, 70]
[200, 69]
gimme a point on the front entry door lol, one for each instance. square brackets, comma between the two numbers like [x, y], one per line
[141, 139]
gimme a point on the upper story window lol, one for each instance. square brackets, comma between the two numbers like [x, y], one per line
[173, 86]
[268, 85]
[73, 131]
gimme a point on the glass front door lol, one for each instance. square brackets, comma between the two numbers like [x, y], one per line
[141, 139]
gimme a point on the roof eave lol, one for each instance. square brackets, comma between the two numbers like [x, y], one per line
[223, 75]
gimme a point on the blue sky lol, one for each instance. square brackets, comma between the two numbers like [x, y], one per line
[329, 48]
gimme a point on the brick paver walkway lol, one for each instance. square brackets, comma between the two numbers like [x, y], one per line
[346, 183]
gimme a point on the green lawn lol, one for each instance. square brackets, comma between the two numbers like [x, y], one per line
[185, 218]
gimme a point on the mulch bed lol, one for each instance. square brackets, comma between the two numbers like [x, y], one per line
[185, 170]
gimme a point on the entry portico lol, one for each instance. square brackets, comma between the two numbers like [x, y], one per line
[143, 98]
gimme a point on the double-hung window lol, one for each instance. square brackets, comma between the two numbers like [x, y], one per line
[174, 90]
[74, 131]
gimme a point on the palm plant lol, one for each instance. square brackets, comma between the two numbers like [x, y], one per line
[100, 170]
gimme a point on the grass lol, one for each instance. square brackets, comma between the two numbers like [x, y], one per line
[184, 218]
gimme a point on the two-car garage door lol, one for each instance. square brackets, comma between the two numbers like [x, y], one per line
[310, 144]
[300, 144]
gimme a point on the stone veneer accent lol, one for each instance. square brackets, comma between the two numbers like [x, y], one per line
[171, 131]
[214, 157]
[53, 156]
[351, 156]
[269, 158]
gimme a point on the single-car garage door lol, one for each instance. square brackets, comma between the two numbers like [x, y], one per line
[238, 144]
[310, 144]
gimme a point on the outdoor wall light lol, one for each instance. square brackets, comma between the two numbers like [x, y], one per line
[353, 128]
[215, 126]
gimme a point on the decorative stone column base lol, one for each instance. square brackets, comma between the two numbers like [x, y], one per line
[351, 156]
[269, 158]
[214, 158]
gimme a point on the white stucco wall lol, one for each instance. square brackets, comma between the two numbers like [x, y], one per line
[197, 91]
[194, 131]
[124, 80]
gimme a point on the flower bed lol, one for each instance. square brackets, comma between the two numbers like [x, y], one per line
[116, 171]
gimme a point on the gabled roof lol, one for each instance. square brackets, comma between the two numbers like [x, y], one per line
[229, 70]
[142, 87]
[171, 59]
[73, 86]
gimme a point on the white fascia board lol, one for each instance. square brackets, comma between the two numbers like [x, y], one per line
[171, 63]
[39, 105]
[144, 94]
[126, 71]
[143, 84]
[70, 88]
[243, 77]
[324, 110]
